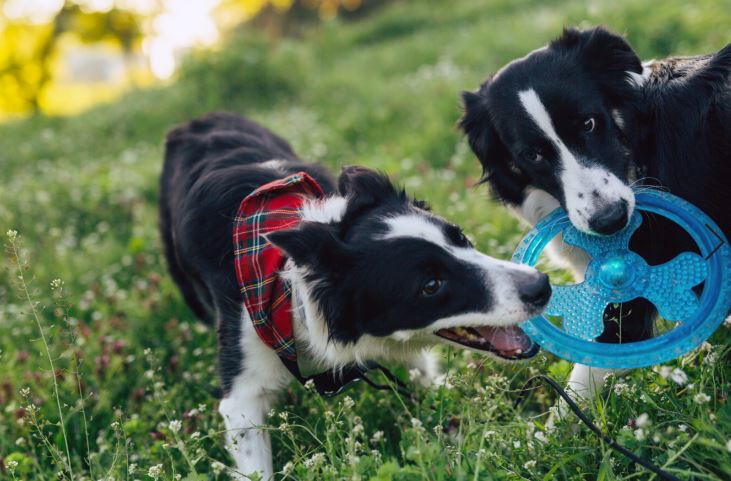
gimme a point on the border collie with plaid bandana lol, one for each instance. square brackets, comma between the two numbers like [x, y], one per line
[303, 274]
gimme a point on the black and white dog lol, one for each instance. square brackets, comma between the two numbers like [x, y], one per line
[370, 273]
[580, 121]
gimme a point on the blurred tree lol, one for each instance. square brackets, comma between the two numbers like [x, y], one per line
[28, 50]
[285, 17]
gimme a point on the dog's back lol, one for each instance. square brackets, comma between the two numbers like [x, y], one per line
[689, 99]
[211, 164]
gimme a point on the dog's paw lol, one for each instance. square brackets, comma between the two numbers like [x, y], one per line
[424, 369]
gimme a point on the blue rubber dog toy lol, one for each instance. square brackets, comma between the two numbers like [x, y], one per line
[615, 274]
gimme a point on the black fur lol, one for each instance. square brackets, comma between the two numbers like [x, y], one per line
[676, 133]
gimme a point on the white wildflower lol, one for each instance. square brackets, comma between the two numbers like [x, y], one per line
[132, 469]
[288, 468]
[315, 460]
[414, 374]
[664, 371]
[310, 385]
[175, 426]
[377, 437]
[727, 321]
[14, 464]
[701, 398]
[683, 428]
[56, 284]
[679, 376]
[218, 467]
[516, 444]
[530, 464]
[710, 358]
[728, 445]
[155, 471]
[195, 435]
[620, 388]
[12, 234]
[376, 455]
[643, 420]
[416, 423]
[348, 402]
[640, 434]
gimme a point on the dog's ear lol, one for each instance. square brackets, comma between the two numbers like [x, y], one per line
[311, 244]
[506, 179]
[316, 246]
[364, 188]
[608, 58]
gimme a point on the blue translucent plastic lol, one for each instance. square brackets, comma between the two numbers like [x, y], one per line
[615, 274]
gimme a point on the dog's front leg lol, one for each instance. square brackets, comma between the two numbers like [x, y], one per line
[244, 413]
[424, 368]
[245, 405]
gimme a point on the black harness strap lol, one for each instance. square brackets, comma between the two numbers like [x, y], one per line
[336, 381]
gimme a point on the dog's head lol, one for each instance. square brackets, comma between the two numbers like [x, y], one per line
[375, 264]
[561, 120]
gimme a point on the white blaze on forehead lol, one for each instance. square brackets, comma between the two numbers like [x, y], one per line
[416, 226]
[586, 189]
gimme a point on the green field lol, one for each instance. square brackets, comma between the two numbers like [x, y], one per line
[128, 356]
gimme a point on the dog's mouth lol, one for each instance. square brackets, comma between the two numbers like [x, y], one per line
[507, 342]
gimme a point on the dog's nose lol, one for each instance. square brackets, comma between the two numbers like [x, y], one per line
[534, 289]
[610, 219]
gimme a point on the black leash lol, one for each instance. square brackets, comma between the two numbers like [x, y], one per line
[593, 427]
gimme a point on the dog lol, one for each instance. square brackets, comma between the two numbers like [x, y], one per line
[581, 121]
[295, 268]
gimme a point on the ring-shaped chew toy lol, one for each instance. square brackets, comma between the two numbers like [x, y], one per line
[615, 274]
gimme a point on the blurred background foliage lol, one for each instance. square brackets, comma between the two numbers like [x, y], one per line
[61, 56]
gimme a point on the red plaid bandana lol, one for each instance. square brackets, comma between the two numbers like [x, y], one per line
[268, 297]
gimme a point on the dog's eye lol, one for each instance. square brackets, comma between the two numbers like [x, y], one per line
[535, 156]
[431, 287]
[589, 124]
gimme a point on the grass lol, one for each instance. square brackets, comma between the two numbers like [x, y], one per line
[105, 374]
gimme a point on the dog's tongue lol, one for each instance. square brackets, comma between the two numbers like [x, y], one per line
[508, 340]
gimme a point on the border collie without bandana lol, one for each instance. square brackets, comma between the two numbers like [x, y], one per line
[580, 121]
[370, 273]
